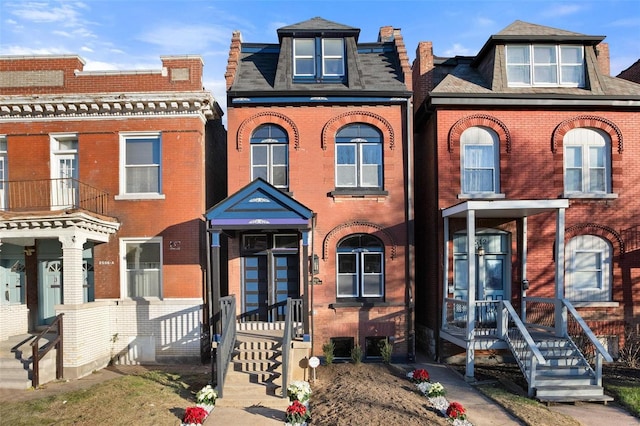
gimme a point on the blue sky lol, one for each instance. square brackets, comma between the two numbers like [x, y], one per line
[133, 34]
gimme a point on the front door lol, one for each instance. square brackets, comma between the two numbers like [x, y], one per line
[50, 290]
[492, 272]
[270, 275]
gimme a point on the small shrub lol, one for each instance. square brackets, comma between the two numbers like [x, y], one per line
[630, 353]
[356, 354]
[327, 350]
[386, 349]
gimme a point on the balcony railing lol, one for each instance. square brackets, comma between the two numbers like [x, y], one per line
[51, 194]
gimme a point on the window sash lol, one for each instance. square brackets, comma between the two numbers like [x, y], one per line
[271, 163]
[304, 57]
[142, 165]
[333, 57]
[545, 65]
[143, 262]
[360, 274]
[478, 169]
[586, 163]
[359, 164]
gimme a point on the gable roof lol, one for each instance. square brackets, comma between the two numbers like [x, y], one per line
[259, 205]
[316, 25]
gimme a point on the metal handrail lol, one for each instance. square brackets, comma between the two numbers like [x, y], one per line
[39, 354]
[600, 351]
[522, 345]
[227, 342]
[52, 194]
[293, 314]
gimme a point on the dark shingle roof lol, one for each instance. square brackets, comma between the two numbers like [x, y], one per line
[521, 28]
[266, 69]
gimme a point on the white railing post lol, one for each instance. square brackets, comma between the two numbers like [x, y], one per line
[532, 376]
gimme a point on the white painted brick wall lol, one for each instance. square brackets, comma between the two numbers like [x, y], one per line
[14, 319]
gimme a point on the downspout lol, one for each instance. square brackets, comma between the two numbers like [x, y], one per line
[410, 236]
[312, 316]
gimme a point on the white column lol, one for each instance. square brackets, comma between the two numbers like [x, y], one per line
[72, 276]
[471, 291]
[445, 273]
[560, 312]
[523, 310]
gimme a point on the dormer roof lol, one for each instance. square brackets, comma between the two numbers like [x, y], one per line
[318, 26]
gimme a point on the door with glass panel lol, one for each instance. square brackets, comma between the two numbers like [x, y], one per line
[65, 181]
[50, 289]
[492, 274]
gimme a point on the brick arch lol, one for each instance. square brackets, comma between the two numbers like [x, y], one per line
[598, 230]
[375, 120]
[480, 120]
[358, 227]
[592, 121]
[267, 117]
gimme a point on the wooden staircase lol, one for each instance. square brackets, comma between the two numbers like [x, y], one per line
[567, 376]
[16, 363]
[255, 376]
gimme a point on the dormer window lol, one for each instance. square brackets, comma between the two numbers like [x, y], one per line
[545, 65]
[318, 59]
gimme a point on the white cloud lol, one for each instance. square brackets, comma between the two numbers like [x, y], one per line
[458, 49]
[99, 66]
[184, 38]
[61, 33]
[562, 10]
[86, 49]
[42, 12]
[11, 22]
[28, 51]
[627, 22]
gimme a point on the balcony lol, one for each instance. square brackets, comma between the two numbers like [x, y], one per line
[50, 195]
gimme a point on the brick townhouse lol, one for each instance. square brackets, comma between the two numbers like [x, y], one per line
[533, 147]
[318, 164]
[102, 189]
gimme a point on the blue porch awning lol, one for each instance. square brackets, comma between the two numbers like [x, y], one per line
[259, 205]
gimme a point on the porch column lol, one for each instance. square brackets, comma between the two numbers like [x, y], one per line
[523, 256]
[445, 274]
[214, 284]
[471, 292]
[305, 274]
[72, 274]
[560, 313]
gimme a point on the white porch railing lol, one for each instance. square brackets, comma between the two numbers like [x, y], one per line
[560, 316]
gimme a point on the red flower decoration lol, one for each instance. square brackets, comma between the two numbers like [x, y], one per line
[194, 415]
[297, 412]
[420, 375]
[456, 411]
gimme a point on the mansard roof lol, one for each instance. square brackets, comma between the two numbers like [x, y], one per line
[372, 69]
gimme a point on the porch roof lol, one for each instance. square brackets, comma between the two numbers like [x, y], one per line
[504, 208]
[259, 205]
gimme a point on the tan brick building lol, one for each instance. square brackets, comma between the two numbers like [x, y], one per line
[102, 189]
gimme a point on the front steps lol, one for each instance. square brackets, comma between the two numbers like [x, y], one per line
[16, 363]
[566, 377]
[254, 377]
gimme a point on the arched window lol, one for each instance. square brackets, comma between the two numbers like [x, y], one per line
[587, 161]
[588, 269]
[480, 161]
[270, 155]
[359, 157]
[360, 267]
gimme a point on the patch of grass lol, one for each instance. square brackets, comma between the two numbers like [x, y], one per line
[529, 411]
[151, 398]
[628, 395]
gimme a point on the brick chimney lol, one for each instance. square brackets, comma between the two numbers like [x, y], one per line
[422, 72]
[388, 34]
[604, 61]
[234, 58]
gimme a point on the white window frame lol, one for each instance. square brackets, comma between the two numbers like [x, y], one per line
[297, 56]
[586, 138]
[480, 137]
[124, 282]
[4, 172]
[64, 192]
[270, 145]
[124, 195]
[326, 56]
[360, 274]
[556, 66]
[358, 144]
[585, 245]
